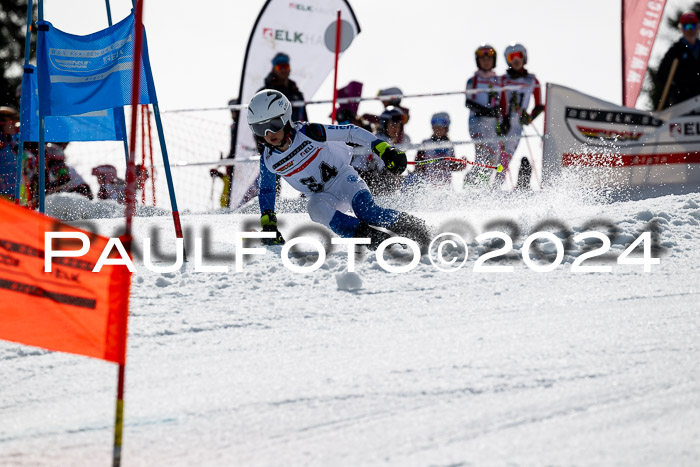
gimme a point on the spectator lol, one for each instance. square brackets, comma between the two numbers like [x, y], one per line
[345, 116]
[9, 119]
[391, 126]
[278, 79]
[111, 186]
[370, 167]
[394, 101]
[514, 104]
[685, 82]
[227, 175]
[433, 171]
[234, 126]
[60, 178]
[484, 109]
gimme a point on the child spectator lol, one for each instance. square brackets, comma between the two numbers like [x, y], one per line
[514, 104]
[484, 109]
[430, 169]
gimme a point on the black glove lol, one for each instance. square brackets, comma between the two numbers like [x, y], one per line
[482, 110]
[394, 160]
[525, 118]
[536, 111]
[503, 127]
[268, 220]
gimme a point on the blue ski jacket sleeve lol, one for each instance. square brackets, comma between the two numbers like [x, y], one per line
[268, 188]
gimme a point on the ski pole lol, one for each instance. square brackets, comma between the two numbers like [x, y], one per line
[497, 168]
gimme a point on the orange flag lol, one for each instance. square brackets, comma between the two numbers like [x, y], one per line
[70, 309]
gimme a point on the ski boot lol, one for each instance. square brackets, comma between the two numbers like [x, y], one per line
[364, 230]
[414, 228]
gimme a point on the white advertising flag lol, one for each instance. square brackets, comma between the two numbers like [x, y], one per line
[620, 146]
[306, 32]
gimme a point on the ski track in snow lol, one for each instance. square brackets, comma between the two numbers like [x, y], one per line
[272, 367]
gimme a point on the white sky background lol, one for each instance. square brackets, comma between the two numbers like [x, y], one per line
[197, 48]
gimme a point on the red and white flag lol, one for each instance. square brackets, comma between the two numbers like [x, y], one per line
[640, 22]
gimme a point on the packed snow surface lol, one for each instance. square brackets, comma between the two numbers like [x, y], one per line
[426, 368]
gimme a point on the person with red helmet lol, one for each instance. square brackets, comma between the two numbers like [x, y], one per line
[514, 103]
[483, 113]
[685, 82]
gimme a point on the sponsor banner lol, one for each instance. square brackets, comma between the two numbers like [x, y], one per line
[304, 30]
[640, 23]
[633, 147]
[80, 74]
[100, 125]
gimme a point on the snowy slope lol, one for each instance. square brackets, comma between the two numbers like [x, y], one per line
[271, 367]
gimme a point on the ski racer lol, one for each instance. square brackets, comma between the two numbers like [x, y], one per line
[514, 104]
[315, 160]
[484, 112]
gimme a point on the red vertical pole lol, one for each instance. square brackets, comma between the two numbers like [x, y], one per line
[143, 149]
[335, 75]
[622, 51]
[130, 207]
[152, 173]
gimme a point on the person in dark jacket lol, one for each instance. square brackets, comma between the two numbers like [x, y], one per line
[278, 79]
[686, 80]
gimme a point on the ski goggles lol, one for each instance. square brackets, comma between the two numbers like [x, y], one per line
[261, 129]
[398, 119]
[441, 122]
[485, 52]
[513, 55]
[282, 66]
[690, 27]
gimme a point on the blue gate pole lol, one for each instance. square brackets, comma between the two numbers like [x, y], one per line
[20, 143]
[42, 149]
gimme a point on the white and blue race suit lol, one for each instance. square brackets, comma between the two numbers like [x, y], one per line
[317, 163]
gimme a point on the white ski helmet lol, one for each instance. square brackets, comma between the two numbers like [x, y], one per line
[513, 47]
[268, 110]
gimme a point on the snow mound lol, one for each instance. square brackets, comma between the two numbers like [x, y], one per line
[348, 281]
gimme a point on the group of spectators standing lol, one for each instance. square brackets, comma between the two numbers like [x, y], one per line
[59, 177]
